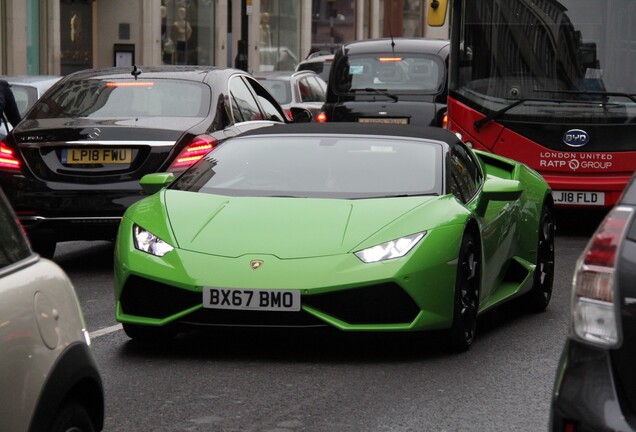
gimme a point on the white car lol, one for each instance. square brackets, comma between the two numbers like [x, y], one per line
[27, 89]
[49, 380]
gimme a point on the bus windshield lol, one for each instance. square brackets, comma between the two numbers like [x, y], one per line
[567, 60]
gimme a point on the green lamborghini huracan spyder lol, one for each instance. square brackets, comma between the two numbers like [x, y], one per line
[361, 227]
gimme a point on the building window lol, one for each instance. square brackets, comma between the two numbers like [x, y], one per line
[279, 37]
[33, 37]
[332, 24]
[187, 32]
[412, 18]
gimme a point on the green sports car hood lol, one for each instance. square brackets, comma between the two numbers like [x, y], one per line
[285, 227]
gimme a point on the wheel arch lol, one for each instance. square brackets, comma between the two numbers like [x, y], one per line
[74, 375]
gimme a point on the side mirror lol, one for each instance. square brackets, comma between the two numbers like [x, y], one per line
[301, 115]
[152, 183]
[436, 16]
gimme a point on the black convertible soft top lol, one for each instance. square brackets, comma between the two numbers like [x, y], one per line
[352, 128]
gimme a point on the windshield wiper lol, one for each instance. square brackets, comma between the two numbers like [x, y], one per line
[400, 195]
[382, 92]
[492, 116]
[591, 93]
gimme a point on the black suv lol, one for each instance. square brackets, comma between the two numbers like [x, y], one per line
[595, 386]
[393, 80]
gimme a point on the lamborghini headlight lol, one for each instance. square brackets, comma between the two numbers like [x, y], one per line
[389, 250]
[146, 241]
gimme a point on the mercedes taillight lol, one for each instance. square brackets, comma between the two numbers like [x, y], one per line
[8, 158]
[594, 317]
[192, 153]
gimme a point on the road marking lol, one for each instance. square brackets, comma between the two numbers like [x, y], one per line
[104, 331]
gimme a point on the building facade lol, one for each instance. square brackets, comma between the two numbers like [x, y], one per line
[62, 36]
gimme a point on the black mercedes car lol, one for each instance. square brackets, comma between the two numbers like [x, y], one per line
[392, 80]
[73, 165]
[595, 385]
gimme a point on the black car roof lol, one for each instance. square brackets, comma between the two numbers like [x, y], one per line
[192, 72]
[346, 128]
[419, 45]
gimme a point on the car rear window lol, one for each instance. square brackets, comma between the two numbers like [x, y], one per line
[94, 98]
[280, 89]
[390, 71]
[322, 68]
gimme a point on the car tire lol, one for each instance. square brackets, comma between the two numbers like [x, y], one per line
[72, 417]
[143, 333]
[466, 300]
[541, 292]
[45, 248]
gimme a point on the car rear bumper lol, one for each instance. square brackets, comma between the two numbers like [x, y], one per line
[585, 393]
[64, 212]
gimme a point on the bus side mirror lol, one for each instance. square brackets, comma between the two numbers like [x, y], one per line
[436, 16]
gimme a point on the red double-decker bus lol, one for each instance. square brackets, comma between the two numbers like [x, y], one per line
[551, 84]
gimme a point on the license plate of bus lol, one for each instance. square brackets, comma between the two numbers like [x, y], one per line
[251, 299]
[579, 198]
[96, 156]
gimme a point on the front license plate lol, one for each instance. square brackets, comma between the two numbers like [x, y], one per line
[383, 120]
[251, 299]
[579, 198]
[96, 156]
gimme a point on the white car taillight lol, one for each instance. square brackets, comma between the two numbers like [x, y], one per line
[594, 312]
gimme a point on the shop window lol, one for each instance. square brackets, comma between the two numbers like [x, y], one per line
[187, 32]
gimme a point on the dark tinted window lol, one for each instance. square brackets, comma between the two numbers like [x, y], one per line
[310, 90]
[465, 174]
[244, 106]
[13, 246]
[269, 105]
[95, 98]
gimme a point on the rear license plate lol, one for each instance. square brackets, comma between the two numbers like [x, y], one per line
[383, 120]
[96, 156]
[251, 299]
[579, 198]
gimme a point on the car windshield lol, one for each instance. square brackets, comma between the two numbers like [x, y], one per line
[399, 72]
[280, 89]
[578, 75]
[97, 98]
[325, 166]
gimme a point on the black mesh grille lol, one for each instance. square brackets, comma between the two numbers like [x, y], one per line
[377, 304]
[147, 298]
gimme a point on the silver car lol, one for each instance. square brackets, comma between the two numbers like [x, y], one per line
[48, 375]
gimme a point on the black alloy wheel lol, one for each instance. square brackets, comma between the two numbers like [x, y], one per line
[541, 293]
[466, 304]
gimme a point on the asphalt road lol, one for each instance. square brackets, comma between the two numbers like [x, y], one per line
[295, 381]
